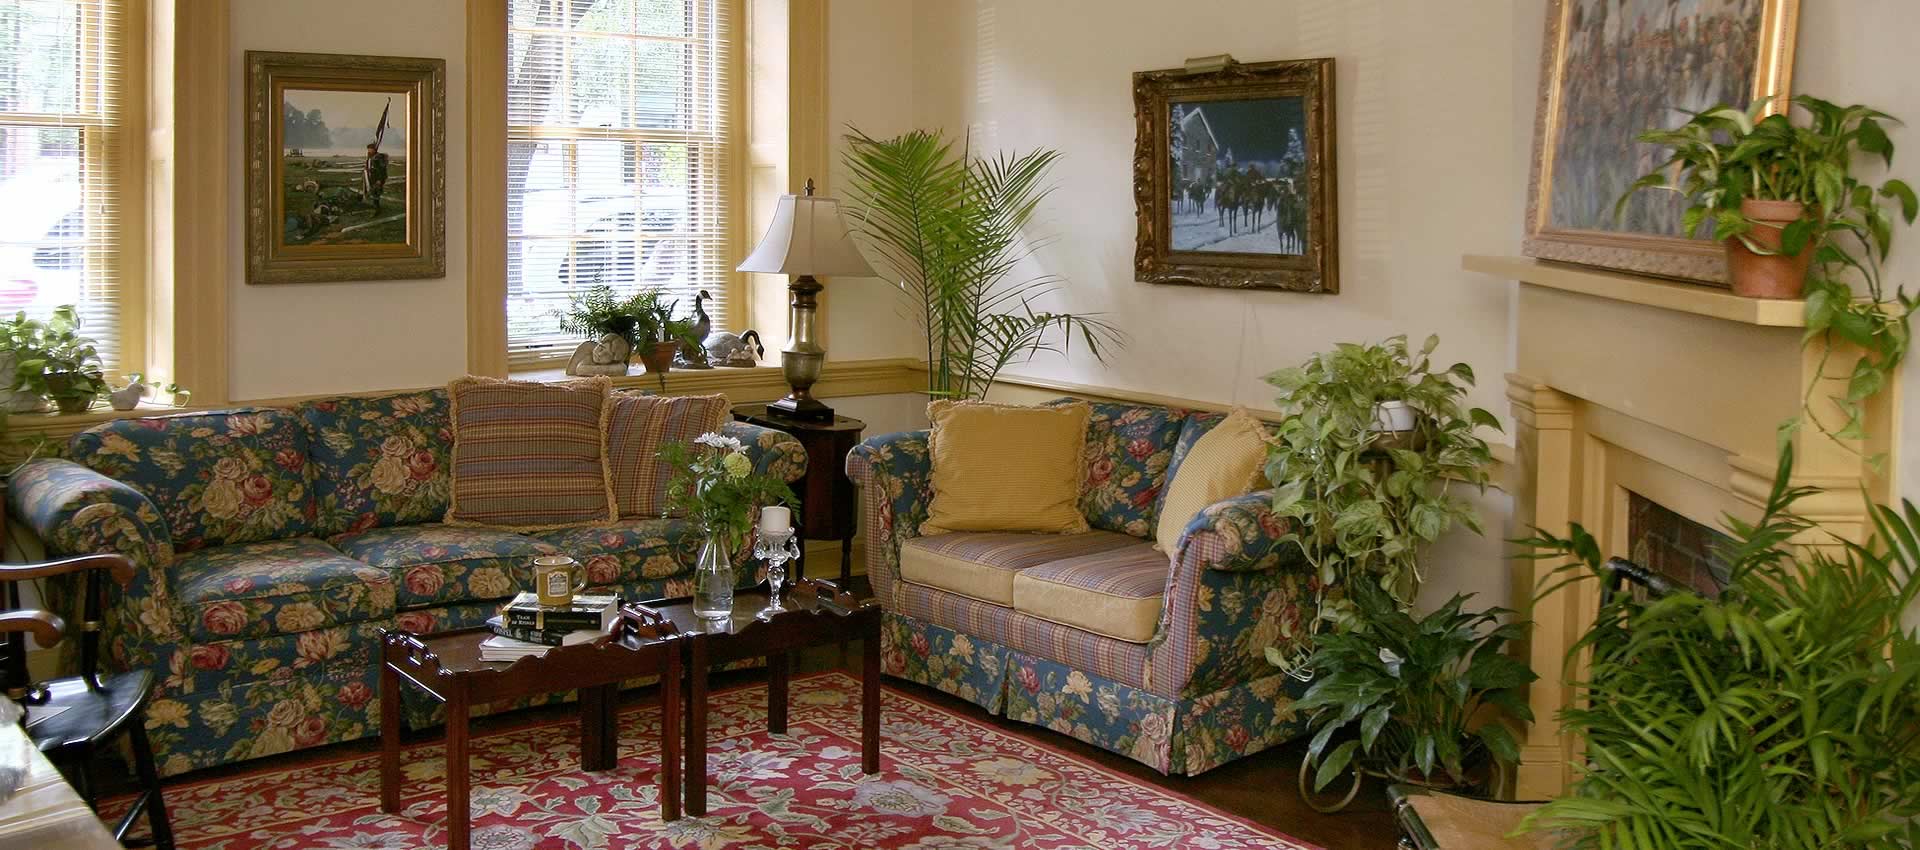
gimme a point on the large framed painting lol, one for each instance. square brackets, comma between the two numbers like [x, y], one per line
[1233, 177]
[346, 167]
[1611, 69]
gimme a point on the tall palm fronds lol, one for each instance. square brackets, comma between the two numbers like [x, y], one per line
[949, 228]
[1783, 714]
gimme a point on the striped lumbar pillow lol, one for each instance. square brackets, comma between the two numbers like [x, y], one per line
[1003, 467]
[530, 455]
[637, 429]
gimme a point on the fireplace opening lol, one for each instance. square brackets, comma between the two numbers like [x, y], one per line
[1683, 551]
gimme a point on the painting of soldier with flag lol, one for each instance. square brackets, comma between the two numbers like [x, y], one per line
[345, 169]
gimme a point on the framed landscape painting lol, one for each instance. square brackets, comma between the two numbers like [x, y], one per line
[346, 161]
[1233, 176]
[1611, 69]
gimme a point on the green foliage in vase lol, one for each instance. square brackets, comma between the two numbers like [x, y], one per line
[1368, 500]
[1410, 695]
[51, 359]
[714, 485]
[949, 226]
[1784, 713]
[1725, 155]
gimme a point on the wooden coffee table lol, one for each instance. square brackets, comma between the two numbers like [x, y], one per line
[818, 613]
[447, 667]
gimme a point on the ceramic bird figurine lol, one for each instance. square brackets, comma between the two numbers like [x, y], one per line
[692, 354]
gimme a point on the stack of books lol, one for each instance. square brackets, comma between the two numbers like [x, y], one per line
[525, 628]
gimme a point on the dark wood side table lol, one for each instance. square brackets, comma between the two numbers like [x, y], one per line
[827, 503]
[448, 667]
[818, 613]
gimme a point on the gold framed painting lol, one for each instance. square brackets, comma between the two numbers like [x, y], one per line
[346, 167]
[1233, 177]
[1611, 69]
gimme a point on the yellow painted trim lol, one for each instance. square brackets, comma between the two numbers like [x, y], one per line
[190, 338]
[487, 187]
[1635, 289]
[129, 167]
[807, 144]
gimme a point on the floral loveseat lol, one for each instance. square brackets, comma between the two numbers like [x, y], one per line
[274, 543]
[1159, 656]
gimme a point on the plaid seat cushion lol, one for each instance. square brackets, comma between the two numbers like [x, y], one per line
[530, 455]
[253, 590]
[434, 564]
[1116, 593]
[982, 564]
[637, 428]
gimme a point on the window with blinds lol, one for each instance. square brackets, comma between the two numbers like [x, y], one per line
[618, 155]
[60, 97]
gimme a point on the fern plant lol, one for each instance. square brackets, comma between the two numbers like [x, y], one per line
[950, 228]
[1785, 713]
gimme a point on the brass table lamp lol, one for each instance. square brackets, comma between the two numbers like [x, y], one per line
[805, 239]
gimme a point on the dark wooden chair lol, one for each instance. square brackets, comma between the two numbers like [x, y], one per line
[1436, 820]
[75, 719]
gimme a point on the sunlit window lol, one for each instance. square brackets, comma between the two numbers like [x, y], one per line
[618, 152]
[60, 82]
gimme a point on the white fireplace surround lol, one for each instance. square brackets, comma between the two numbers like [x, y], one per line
[1671, 390]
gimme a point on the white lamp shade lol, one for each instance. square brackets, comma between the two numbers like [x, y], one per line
[807, 238]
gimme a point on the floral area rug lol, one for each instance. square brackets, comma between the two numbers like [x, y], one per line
[947, 782]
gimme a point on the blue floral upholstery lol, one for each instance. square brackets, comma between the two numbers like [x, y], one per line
[1199, 693]
[274, 587]
[379, 461]
[629, 551]
[1128, 452]
[774, 452]
[226, 477]
[434, 564]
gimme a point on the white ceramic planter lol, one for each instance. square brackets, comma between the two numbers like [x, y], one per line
[1393, 416]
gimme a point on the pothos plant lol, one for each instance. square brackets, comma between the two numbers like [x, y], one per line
[1367, 500]
[1725, 155]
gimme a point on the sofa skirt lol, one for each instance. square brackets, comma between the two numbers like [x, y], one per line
[1174, 735]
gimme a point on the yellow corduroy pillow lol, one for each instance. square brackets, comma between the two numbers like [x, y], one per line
[1227, 461]
[1003, 467]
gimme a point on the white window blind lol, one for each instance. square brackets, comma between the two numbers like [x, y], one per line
[618, 158]
[61, 78]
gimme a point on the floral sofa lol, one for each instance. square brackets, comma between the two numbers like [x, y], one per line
[274, 544]
[1159, 656]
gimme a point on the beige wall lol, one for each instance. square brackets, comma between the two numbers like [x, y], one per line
[298, 339]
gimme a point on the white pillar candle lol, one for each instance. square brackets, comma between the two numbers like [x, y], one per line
[775, 518]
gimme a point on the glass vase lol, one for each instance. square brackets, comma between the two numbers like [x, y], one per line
[713, 579]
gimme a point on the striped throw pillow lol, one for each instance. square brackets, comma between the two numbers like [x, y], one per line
[636, 431]
[530, 456]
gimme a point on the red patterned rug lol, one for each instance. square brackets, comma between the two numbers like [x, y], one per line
[947, 782]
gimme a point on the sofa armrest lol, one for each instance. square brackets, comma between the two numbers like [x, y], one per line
[1240, 584]
[1241, 534]
[894, 473]
[77, 511]
[773, 452]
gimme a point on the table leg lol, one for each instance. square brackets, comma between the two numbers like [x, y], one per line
[779, 672]
[870, 702]
[670, 736]
[459, 787]
[846, 560]
[696, 771]
[389, 740]
[599, 734]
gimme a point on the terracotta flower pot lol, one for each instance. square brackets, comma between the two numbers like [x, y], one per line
[1767, 275]
[659, 357]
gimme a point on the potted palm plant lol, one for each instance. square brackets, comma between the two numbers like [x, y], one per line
[1783, 713]
[950, 227]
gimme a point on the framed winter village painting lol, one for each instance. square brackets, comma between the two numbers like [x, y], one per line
[1233, 176]
[346, 175]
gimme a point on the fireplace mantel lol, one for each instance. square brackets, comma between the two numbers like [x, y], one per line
[1633, 385]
